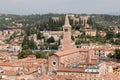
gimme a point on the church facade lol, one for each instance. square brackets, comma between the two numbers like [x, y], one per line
[68, 56]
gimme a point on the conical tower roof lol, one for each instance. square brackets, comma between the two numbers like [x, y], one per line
[66, 20]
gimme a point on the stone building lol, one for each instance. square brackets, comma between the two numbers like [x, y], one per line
[55, 19]
[68, 55]
[29, 67]
[55, 34]
[100, 49]
[102, 33]
[80, 62]
[67, 33]
[90, 32]
[93, 72]
[84, 22]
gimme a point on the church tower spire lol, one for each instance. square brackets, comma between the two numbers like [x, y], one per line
[67, 20]
[67, 41]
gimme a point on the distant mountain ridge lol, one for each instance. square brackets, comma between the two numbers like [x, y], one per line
[114, 13]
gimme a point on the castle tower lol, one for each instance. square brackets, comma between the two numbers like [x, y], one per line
[67, 41]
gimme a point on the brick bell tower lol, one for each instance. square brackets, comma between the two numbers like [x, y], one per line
[67, 41]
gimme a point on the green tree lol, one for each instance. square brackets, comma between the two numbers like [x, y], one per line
[39, 36]
[24, 54]
[118, 35]
[51, 53]
[53, 46]
[41, 54]
[32, 44]
[90, 21]
[25, 43]
[51, 40]
[117, 42]
[117, 54]
[110, 55]
[110, 35]
[38, 54]
[72, 37]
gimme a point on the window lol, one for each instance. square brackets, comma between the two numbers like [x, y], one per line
[54, 63]
[66, 30]
[94, 75]
[99, 51]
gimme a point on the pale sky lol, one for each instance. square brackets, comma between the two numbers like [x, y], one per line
[58, 6]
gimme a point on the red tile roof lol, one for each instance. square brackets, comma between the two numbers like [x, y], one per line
[70, 51]
[79, 70]
[57, 77]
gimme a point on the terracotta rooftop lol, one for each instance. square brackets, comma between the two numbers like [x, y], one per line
[31, 60]
[57, 77]
[6, 63]
[79, 70]
[23, 62]
[70, 51]
[31, 70]
[9, 73]
[44, 78]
